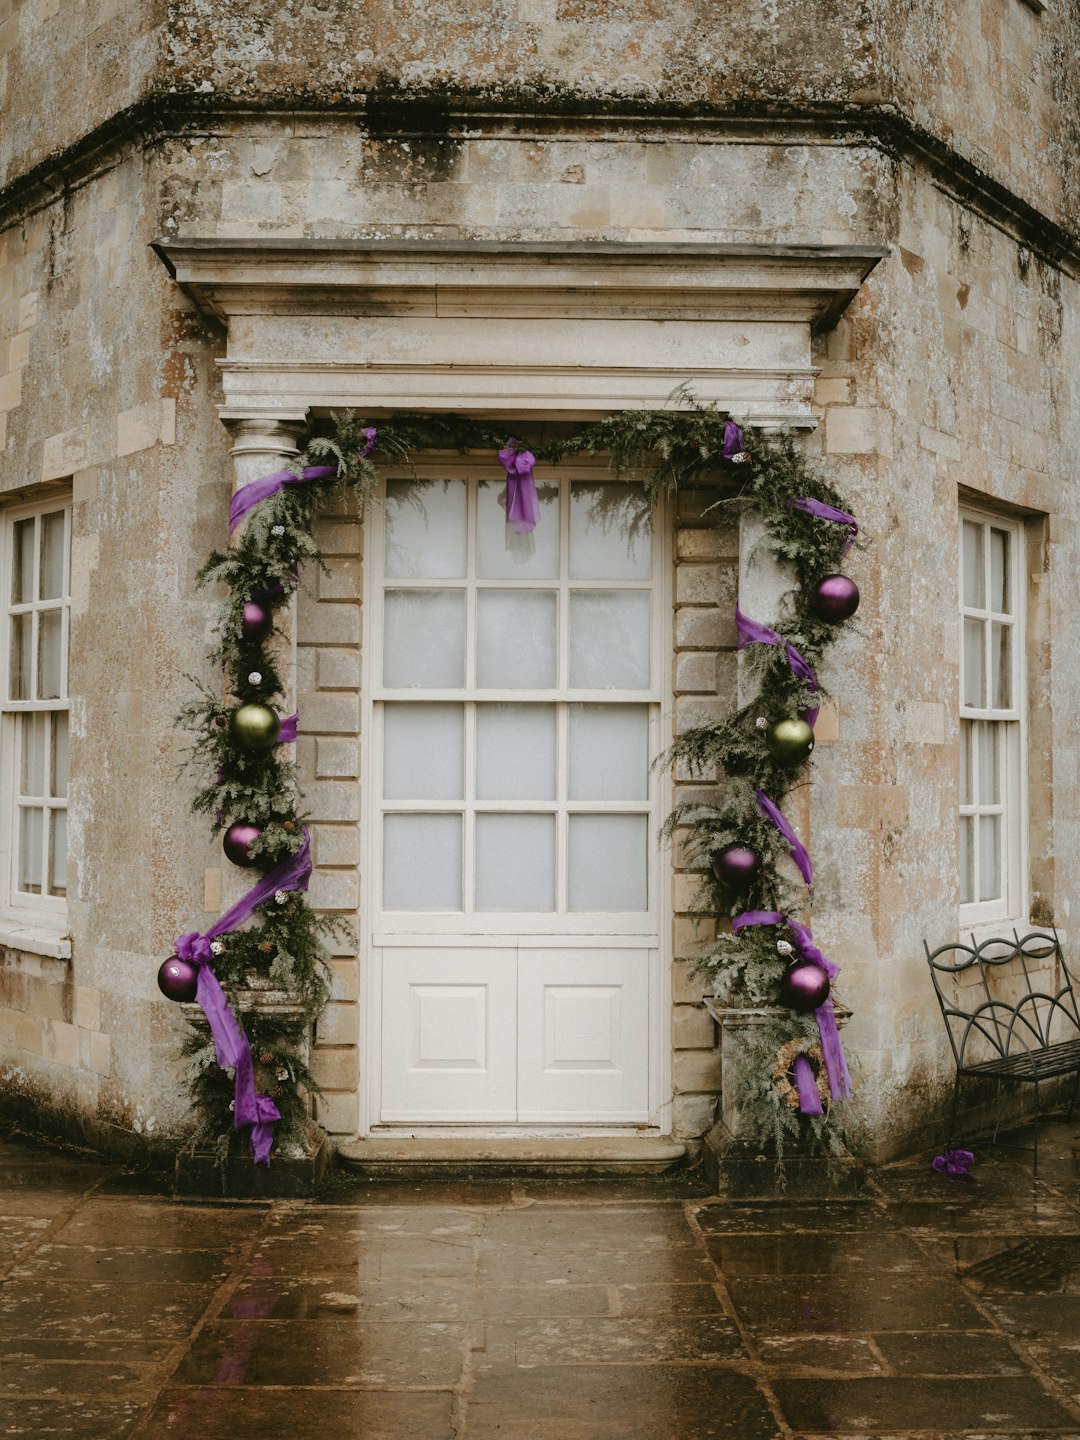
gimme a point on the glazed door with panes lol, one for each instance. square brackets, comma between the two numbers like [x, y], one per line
[513, 851]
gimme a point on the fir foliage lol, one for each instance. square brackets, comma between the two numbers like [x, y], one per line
[655, 450]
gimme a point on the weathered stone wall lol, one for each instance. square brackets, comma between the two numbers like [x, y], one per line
[952, 373]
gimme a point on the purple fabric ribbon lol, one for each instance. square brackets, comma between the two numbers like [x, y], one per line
[806, 1085]
[956, 1163]
[752, 632]
[522, 506]
[231, 1044]
[821, 511]
[825, 1015]
[779, 821]
[733, 448]
[256, 491]
[287, 729]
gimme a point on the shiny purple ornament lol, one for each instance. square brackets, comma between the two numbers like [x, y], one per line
[256, 622]
[737, 867]
[804, 986]
[236, 840]
[834, 599]
[178, 979]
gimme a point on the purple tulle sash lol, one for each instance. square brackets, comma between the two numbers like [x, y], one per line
[522, 506]
[779, 821]
[821, 511]
[806, 1085]
[752, 632]
[248, 496]
[287, 730]
[231, 1044]
[832, 1050]
[733, 447]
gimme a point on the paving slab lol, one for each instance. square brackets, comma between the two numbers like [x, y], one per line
[629, 1308]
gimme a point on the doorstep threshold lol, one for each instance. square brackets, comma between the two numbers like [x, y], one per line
[385, 1157]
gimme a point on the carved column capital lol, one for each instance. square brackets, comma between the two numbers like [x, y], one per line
[262, 442]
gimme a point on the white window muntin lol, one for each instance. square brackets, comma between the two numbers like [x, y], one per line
[562, 697]
[992, 723]
[35, 570]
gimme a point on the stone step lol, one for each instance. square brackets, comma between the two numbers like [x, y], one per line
[410, 1157]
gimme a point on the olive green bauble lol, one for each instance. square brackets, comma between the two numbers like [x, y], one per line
[789, 742]
[255, 727]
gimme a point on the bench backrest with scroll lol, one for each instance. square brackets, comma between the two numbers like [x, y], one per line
[1005, 1014]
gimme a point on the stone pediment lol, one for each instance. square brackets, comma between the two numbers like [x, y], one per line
[557, 329]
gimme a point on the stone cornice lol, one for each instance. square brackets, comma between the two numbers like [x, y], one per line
[874, 125]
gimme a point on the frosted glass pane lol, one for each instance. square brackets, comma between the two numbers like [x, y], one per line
[967, 884]
[515, 752]
[19, 668]
[966, 734]
[989, 764]
[425, 529]
[609, 639]
[423, 752]
[52, 555]
[59, 755]
[422, 862]
[1000, 579]
[516, 639]
[989, 857]
[30, 832]
[22, 574]
[424, 639]
[58, 854]
[608, 862]
[515, 862]
[974, 597]
[50, 669]
[610, 532]
[1001, 666]
[503, 555]
[32, 771]
[974, 664]
[609, 752]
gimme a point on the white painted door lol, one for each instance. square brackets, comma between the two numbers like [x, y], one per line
[513, 864]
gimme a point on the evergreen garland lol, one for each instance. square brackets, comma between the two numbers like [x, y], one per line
[663, 450]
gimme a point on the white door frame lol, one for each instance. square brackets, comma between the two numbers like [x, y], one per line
[370, 995]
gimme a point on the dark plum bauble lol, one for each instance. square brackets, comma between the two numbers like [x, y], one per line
[236, 840]
[256, 622]
[804, 986]
[789, 742]
[178, 979]
[737, 867]
[834, 599]
[255, 727]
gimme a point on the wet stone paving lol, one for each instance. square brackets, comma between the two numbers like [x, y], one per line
[542, 1310]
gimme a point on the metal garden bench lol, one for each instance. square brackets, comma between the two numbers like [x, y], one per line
[1008, 1031]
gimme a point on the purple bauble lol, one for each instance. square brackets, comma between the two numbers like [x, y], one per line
[737, 867]
[804, 986]
[178, 979]
[834, 599]
[236, 840]
[256, 621]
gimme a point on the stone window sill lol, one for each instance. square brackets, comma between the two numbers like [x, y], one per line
[35, 934]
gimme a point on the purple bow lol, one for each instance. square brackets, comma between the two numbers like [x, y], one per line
[821, 511]
[733, 448]
[825, 1015]
[956, 1163]
[231, 1044]
[779, 821]
[752, 632]
[287, 729]
[522, 506]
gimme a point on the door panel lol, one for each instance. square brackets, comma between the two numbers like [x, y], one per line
[449, 1023]
[583, 1035]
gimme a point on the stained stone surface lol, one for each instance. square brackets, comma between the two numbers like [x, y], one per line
[927, 1310]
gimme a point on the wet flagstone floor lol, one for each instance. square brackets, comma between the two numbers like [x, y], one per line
[644, 1310]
